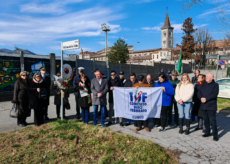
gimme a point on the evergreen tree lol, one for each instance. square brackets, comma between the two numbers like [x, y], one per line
[119, 52]
[188, 43]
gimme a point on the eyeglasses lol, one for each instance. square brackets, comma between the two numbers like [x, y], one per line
[38, 76]
[23, 75]
[58, 75]
[113, 74]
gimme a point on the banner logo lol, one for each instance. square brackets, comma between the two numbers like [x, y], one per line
[138, 101]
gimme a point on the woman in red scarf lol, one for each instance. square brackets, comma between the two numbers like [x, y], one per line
[84, 98]
[197, 111]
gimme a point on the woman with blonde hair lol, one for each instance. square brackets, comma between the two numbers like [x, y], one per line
[184, 97]
[21, 98]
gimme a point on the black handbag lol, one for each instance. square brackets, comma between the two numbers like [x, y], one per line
[43, 93]
[14, 111]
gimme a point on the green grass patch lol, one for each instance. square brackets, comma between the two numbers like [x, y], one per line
[223, 104]
[76, 142]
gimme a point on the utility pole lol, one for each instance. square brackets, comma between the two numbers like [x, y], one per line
[106, 28]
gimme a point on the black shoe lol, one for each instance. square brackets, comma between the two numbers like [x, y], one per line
[181, 121]
[162, 130]
[135, 124]
[187, 131]
[109, 123]
[215, 139]
[47, 118]
[78, 116]
[197, 128]
[203, 131]
[187, 126]
[121, 124]
[22, 124]
[206, 135]
[127, 124]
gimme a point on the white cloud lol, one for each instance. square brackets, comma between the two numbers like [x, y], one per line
[28, 30]
[56, 7]
[177, 28]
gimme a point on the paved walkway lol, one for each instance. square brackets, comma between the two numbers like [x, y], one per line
[190, 149]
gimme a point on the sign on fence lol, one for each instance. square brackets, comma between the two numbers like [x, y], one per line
[73, 44]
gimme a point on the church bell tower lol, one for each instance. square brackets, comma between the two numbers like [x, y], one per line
[167, 34]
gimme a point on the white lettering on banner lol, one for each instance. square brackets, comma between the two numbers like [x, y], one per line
[137, 104]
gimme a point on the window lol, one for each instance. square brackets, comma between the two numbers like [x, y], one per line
[130, 55]
[164, 53]
[169, 43]
[153, 56]
[139, 54]
[170, 33]
[161, 53]
[145, 54]
[135, 55]
[164, 34]
[157, 56]
[150, 54]
[168, 53]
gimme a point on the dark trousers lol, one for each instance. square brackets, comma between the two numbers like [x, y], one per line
[58, 109]
[209, 117]
[21, 119]
[141, 123]
[164, 111]
[176, 115]
[45, 109]
[77, 107]
[85, 114]
[38, 116]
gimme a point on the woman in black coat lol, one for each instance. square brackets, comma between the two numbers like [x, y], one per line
[197, 111]
[21, 98]
[84, 102]
[36, 102]
[57, 98]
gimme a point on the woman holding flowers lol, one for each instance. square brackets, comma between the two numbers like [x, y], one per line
[57, 97]
[84, 98]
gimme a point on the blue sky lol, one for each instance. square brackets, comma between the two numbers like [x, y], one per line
[40, 25]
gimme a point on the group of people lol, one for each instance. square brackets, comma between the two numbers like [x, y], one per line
[189, 99]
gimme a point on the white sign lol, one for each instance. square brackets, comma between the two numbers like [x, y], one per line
[137, 104]
[74, 44]
[223, 66]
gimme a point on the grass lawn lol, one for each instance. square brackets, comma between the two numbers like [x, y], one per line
[223, 104]
[76, 142]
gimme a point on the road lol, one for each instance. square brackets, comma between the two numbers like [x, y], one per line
[190, 149]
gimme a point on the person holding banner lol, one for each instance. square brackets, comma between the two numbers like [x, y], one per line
[99, 88]
[141, 83]
[168, 92]
[129, 83]
[184, 98]
[84, 97]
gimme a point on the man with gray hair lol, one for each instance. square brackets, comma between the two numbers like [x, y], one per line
[150, 80]
[208, 96]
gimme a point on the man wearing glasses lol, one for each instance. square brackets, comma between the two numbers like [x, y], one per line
[113, 82]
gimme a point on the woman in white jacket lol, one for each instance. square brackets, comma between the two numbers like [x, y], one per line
[183, 96]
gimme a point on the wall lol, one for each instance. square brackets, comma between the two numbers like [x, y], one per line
[11, 64]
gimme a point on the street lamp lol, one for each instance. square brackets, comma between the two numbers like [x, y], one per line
[133, 49]
[106, 28]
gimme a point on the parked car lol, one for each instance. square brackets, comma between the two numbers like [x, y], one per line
[224, 88]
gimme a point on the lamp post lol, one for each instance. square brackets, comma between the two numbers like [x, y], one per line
[133, 49]
[106, 28]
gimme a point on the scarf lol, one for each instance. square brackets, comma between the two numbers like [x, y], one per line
[85, 89]
[35, 81]
[198, 83]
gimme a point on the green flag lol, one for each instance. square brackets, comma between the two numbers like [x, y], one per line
[179, 63]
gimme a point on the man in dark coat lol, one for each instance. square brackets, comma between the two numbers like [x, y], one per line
[122, 79]
[113, 82]
[208, 96]
[168, 75]
[47, 81]
[76, 80]
[161, 72]
[129, 83]
[99, 88]
[149, 80]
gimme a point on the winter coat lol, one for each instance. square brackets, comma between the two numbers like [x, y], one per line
[76, 80]
[129, 83]
[197, 102]
[35, 102]
[160, 73]
[184, 92]
[167, 94]
[57, 95]
[113, 83]
[21, 96]
[168, 75]
[83, 101]
[152, 83]
[194, 80]
[47, 81]
[99, 88]
[210, 92]
[122, 81]
[174, 84]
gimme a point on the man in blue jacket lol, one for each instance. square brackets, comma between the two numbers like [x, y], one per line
[208, 96]
[75, 83]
